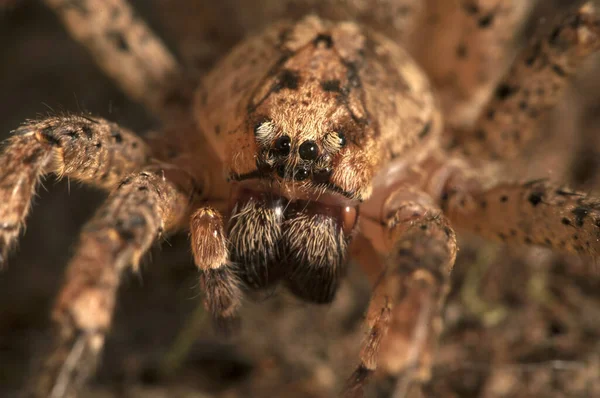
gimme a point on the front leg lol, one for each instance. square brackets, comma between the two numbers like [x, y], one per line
[88, 149]
[404, 316]
[220, 283]
[135, 214]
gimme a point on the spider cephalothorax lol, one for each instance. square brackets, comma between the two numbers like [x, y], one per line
[294, 133]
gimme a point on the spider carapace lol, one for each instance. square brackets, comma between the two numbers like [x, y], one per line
[313, 141]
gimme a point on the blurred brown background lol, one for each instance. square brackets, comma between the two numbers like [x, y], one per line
[519, 322]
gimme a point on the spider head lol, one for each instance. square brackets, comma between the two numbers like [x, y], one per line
[295, 210]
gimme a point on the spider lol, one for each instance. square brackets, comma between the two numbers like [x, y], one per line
[313, 141]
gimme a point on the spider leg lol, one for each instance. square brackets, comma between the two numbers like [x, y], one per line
[127, 50]
[404, 315]
[143, 206]
[475, 40]
[532, 87]
[219, 280]
[531, 213]
[90, 150]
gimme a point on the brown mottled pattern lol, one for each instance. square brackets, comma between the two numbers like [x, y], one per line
[404, 315]
[465, 47]
[534, 213]
[532, 87]
[305, 96]
[310, 79]
[127, 50]
[90, 150]
[218, 279]
[138, 211]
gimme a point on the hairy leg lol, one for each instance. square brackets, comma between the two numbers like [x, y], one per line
[135, 214]
[475, 40]
[126, 50]
[90, 150]
[531, 213]
[404, 316]
[532, 87]
[219, 281]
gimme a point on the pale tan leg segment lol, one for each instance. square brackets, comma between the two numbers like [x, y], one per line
[126, 50]
[92, 150]
[219, 281]
[532, 87]
[475, 38]
[533, 213]
[135, 214]
[404, 315]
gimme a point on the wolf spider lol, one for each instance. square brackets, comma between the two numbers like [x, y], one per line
[313, 141]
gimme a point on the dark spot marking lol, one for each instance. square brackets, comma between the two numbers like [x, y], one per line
[523, 105]
[327, 40]
[461, 51]
[117, 136]
[481, 135]
[98, 145]
[502, 236]
[486, 21]
[565, 221]
[48, 134]
[580, 214]
[505, 91]
[559, 70]
[331, 86]
[287, 79]
[483, 204]
[217, 130]
[87, 130]
[126, 181]
[513, 232]
[535, 51]
[528, 240]
[119, 40]
[425, 131]
[503, 198]
[115, 13]
[352, 75]
[536, 198]
[554, 36]
[471, 8]
[548, 242]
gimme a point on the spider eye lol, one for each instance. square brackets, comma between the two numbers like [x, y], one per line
[283, 145]
[308, 150]
[301, 174]
[342, 139]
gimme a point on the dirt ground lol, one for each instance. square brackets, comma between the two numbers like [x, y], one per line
[519, 322]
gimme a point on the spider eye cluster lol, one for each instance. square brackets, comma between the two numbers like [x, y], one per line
[310, 158]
